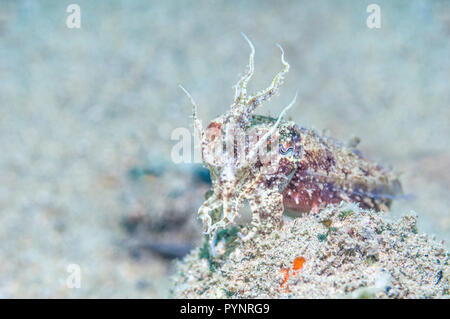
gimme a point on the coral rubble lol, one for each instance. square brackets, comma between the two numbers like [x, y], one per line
[341, 252]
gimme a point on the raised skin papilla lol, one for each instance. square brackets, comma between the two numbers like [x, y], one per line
[283, 168]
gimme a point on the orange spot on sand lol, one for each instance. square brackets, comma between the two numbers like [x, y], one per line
[297, 265]
[286, 275]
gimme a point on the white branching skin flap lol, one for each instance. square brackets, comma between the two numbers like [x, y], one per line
[234, 177]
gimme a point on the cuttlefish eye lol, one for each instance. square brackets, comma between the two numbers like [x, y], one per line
[290, 146]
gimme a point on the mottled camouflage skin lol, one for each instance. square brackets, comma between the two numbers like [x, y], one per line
[328, 172]
[305, 173]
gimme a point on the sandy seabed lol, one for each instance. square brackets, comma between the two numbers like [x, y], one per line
[86, 117]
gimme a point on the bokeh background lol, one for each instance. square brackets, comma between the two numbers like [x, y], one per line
[86, 117]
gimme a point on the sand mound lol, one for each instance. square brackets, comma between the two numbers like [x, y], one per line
[343, 251]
